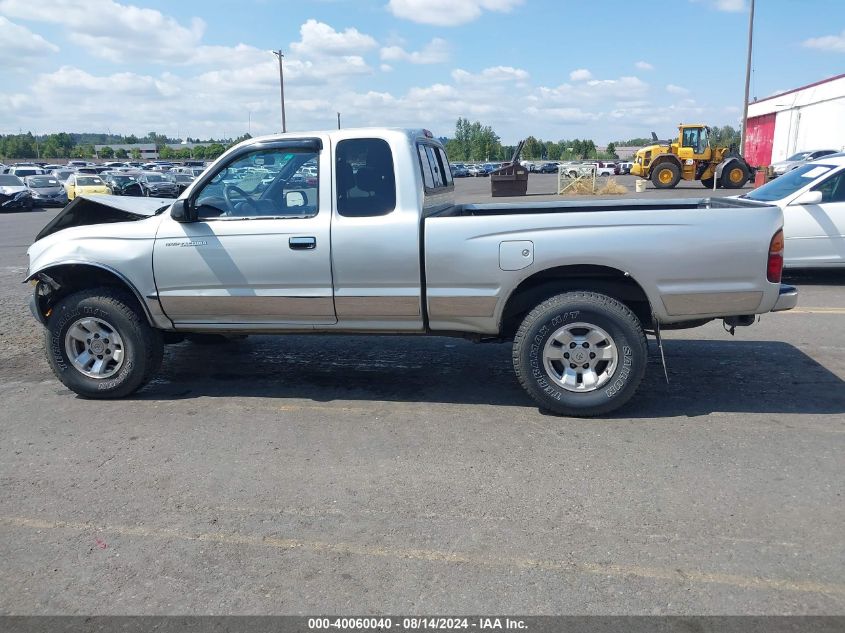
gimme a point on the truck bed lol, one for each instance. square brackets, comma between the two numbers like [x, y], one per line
[580, 206]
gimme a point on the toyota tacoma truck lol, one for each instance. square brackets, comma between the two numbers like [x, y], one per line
[357, 231]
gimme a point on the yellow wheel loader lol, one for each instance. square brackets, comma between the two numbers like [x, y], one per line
[690, 157]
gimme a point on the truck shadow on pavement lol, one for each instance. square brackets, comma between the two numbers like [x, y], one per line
[705, 376]
[816, 277]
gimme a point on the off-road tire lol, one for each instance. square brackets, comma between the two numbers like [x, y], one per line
[707, 183]
[143, 346]
[665, 183]
[595, 309]
[726, 181]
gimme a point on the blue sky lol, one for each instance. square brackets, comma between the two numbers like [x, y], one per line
[555, 69]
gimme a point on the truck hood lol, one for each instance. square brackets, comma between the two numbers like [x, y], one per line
[104, 209]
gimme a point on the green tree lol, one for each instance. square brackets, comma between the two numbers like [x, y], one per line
[214, 150]
[135, 153]
[106, 152]
[120, 153]
[165, 152]
[198, 151]
[611, 151]
[532, 149]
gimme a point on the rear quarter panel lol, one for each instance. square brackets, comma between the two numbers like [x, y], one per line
[691, 263]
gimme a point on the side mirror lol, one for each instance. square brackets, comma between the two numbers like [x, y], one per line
[183, 211]
[808, 197]
[295, 199]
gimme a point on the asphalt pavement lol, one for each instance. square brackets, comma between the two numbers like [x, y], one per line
[319, 474]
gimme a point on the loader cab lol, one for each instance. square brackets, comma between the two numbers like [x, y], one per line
[694, 142]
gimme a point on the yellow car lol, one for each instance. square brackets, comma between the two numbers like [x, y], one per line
[79, 184]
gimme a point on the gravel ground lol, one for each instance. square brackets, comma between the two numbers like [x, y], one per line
[396, 474]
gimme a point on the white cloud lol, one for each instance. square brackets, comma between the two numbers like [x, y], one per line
[18, 43]
[676, 90]
[435, 52]
[835, 43]
[495, 74]
[581, 74]
[385, 68]
[731, 6]
[447, 12]
[643, 66]
[114, 31]
[319, 39]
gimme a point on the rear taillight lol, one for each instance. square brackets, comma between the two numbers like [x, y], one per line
[774, 269]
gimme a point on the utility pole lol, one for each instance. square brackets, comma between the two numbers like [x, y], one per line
[747, 82]
[338, 120]
[281, 56]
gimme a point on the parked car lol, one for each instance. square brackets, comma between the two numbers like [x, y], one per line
[781, 167]
[75, 164]
[182, 181]
[122, 184]
[622, 169]
[46, 191]
[61, 174]
[14, 193]
[22, 171]
[547, 168]
[473, 170]
[573, 284]
[812, 197]
[155, 185]
[459, 170]
[82, 184]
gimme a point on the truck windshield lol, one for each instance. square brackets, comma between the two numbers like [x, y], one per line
[789, 183]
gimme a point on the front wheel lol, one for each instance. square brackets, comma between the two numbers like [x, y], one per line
[580, 354]
[707, 183]
[666, 175]
[734, 176]
[100, 345]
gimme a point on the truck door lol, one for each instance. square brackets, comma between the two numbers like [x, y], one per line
[259, 252]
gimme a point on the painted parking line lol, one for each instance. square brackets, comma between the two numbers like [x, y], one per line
[814, 311]
[441, 556]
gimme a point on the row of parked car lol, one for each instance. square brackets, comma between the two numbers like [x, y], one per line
[28, 185]
[571, 168]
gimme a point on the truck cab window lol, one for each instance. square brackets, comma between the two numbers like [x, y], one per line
[265, 183]
[366, 184]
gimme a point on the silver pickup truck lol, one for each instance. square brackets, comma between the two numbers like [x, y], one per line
[357, 231]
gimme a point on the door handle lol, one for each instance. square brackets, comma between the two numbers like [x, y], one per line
[302, 243]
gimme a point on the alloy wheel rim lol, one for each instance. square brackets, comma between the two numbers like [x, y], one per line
[580, 357]
[94, 348]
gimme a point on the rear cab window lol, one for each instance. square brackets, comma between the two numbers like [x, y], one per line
[366, 181]
[436, 172]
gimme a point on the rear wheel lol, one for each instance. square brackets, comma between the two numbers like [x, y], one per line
[707, 183]
[734, 176]
[100, 345]
[666, 175]
[580, 354]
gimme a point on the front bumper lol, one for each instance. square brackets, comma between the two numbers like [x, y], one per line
[20, 200]
[49, 201]
[787, 298]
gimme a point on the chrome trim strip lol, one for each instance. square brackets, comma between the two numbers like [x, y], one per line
[350, 307]
[234, 308]
[700, 303]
